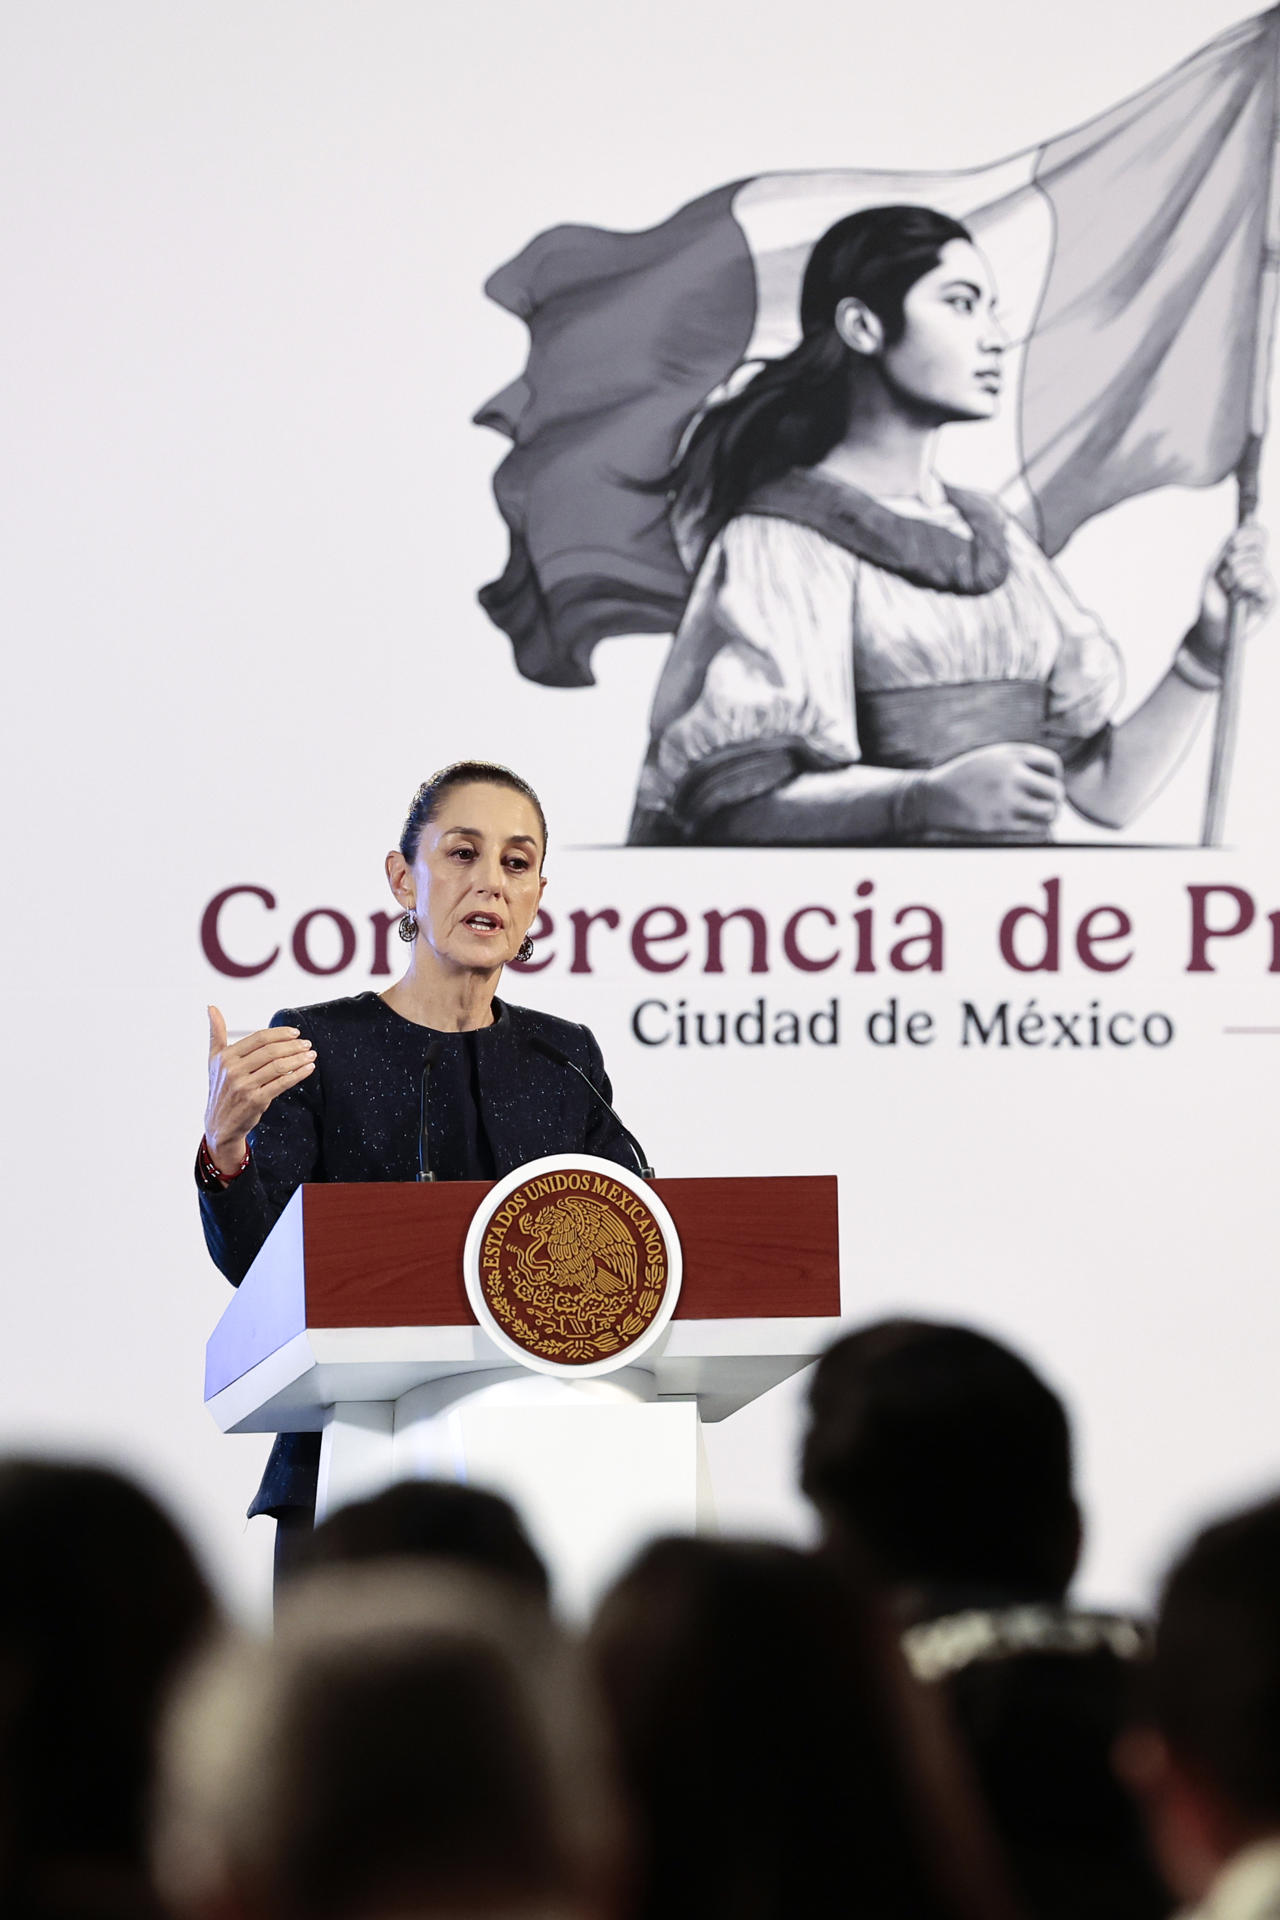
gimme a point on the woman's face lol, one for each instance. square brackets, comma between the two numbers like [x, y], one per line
[947, 364]
[475, 882]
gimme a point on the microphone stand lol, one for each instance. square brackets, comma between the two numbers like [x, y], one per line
[562, 1059]
[424, 1145]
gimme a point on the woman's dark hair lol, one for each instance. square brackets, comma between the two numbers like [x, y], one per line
[946, 1457]
[1215, 1679]
[796, 408]
[412, 1740]
[100, 1601]
[427, 801]
[430, 1520]
[777, 1756]
[1040, 1729]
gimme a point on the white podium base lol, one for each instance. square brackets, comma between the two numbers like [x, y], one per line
[594, 1467]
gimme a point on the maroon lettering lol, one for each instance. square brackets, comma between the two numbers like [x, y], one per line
[930, 938]
[211, 939]
[1045, 919]
[791, 941]
[716, 923]
[1088, 941]
[1202, 932]
[382, 924]
[864, 957]
[642, 939]
[346, 934]
[582, 923]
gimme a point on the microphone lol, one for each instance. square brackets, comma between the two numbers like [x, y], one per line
[424, 1150]
[562, 1060]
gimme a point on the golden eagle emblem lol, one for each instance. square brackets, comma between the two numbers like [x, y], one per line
[579, 1243]
[572, 1264]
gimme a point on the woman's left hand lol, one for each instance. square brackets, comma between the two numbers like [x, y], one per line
[1240, 572]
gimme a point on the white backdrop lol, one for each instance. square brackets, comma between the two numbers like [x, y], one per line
[244, 521]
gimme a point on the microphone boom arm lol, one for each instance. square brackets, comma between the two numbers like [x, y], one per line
[562, 1059]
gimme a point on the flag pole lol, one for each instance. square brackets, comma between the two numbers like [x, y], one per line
[1224, 726]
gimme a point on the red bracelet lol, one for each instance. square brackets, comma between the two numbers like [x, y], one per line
[210, 1170]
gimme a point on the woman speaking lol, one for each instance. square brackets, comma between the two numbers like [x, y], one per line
[332, 1092]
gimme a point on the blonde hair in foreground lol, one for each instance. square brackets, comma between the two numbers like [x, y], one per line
[413, 1741]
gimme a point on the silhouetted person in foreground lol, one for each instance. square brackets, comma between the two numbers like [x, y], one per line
[780, 1759]
[948, 1460]
[945, 1460]
[430, 1520]
[1207, 1765]
[100, 1599]
[1039, 1697]
[415, 1742]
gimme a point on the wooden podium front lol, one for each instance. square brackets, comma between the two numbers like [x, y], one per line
[354, 1320]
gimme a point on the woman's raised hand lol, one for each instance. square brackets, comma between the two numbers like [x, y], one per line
[1012, 788]
[1239, 572]
[243, 1081]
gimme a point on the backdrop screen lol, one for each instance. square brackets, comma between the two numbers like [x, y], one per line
[358, 356]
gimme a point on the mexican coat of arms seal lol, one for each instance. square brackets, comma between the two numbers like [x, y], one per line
[572, 1265]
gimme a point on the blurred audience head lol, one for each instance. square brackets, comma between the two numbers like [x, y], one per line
[1038, 1695]
[778, 1756]
[429, 1520]
[947, 1459]
[100, 1599]
[1207, 1765]
[415, 1742]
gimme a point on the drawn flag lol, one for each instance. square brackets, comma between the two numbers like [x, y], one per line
[1128, 255]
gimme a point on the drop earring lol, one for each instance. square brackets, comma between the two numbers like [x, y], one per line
[407, 929]
[525, 954]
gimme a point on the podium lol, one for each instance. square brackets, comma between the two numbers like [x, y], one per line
[354, 1320]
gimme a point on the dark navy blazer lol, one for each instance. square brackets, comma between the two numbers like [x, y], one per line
[494, 1102]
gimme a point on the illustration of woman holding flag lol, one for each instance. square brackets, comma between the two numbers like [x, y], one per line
[867, 654]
